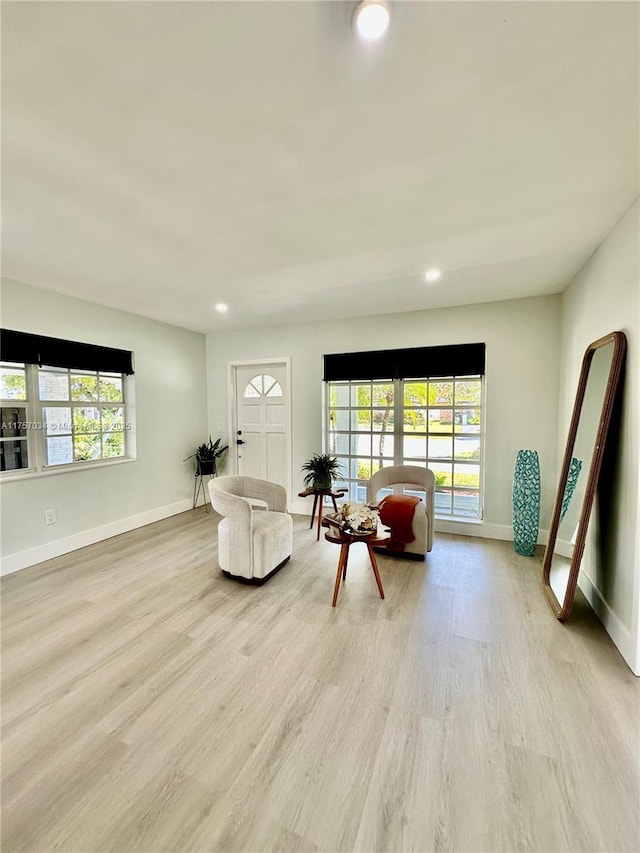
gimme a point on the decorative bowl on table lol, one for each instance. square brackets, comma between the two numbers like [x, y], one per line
[358, 519]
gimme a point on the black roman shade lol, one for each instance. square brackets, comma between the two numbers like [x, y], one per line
[413, 363]
[37, 349]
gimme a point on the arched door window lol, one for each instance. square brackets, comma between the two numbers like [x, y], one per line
[263, 385]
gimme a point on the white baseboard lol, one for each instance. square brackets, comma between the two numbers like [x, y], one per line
[612, 623]
[484, 531]
[22, 559]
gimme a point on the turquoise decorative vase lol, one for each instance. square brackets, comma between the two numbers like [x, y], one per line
[572, 482]
[526, 502]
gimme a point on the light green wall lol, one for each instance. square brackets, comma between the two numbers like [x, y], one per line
[170, 419]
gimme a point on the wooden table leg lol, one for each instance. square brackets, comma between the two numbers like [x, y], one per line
[320, 504]
[374, 566]
[342, 566]
[313, 513]
[335, 505]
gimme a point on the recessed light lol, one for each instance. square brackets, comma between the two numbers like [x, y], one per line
[432, 275]
[221, 307]
[371, 19]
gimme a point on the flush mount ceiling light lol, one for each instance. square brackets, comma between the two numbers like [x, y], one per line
[432, 275]
[371, 19]
[221, 307]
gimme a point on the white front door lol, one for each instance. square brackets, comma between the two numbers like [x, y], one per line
[261, 438]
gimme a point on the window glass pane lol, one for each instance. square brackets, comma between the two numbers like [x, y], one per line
[467, 448]
[442, 501]
[86, 447]
[440, 420]
[361, 419]
[440, 447]
[415, 393]
[86, 419]
[361, 395]
[13, 383]
[59, 450]
[339, 419]
[53, 386]
[364, 469]
[467, 475]
[383, 420]
[361, 444]
[57, 420]
[14, 455]
[440, 393]
[339, 444]
[113, 445]
[256, 385]
[13, 421]
[112, 418]
[466, 503]
[110, 388]
[469, 392]
[84, 387]
[443, 474]
[383, 395]
[350, 467]
[275, 390]
[415, 420]
[467, 420]
[414, 447]
[339, 395]
[383, 445]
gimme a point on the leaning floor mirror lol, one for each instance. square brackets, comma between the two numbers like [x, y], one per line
[592, 411]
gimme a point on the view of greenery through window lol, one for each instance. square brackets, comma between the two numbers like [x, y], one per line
[438, 422]
[78, 416]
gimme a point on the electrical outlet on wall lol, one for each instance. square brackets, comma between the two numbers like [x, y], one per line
[50, 516]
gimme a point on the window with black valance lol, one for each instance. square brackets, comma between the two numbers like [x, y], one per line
[453, 360]
[23, 347]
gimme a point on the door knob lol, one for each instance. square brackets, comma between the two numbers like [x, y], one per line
[239, 441]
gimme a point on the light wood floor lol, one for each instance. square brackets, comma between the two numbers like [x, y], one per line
[151, 704]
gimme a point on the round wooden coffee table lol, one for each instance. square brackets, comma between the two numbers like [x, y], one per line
[346, 540]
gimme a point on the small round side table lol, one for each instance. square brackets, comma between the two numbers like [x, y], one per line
[346, 540]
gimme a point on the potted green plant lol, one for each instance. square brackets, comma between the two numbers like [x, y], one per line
[322, 469]
[207, 455]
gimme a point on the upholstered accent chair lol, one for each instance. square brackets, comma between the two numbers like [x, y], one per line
[422, 523]
[255, 537]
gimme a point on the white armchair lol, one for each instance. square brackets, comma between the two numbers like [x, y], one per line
[252, 543]
[422, 524]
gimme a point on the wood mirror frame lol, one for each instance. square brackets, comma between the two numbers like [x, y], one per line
[592, 427]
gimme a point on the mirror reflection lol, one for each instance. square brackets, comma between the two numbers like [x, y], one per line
[583, 455]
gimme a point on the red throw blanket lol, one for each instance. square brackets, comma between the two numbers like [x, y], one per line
[396, 512]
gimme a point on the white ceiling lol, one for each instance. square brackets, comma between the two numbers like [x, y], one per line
[161, 157]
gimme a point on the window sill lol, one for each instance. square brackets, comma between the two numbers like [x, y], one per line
[459, 519]
[63, 469]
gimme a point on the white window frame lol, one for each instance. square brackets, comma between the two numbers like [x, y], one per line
[36, 434]
[357, 486]
[27, 404]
